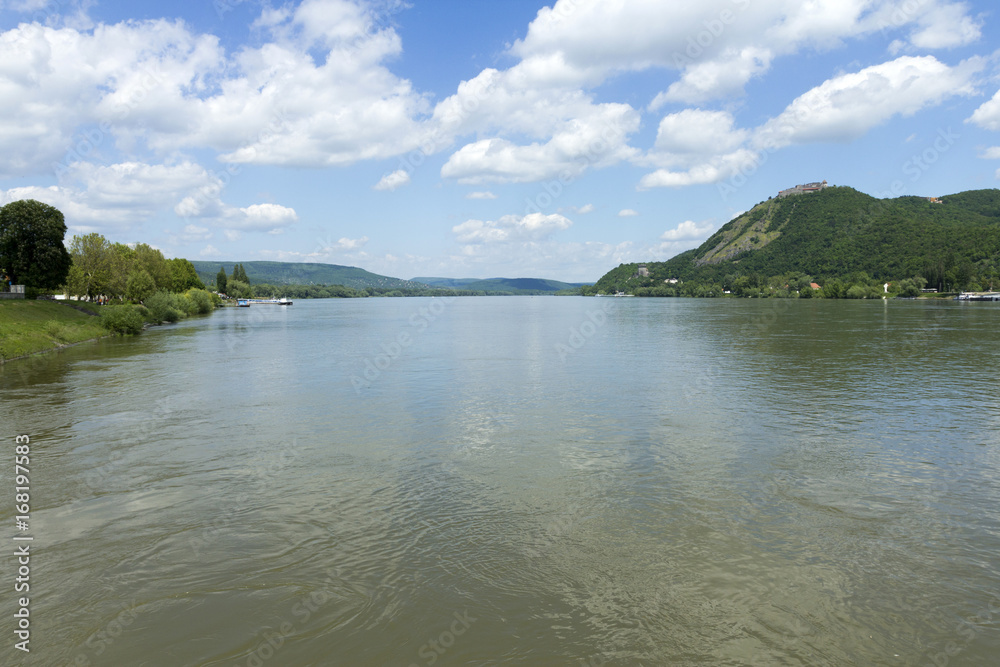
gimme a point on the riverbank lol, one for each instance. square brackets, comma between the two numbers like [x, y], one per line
[30, 327]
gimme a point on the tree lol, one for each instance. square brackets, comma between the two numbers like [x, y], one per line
[239, 290]
[240, 274]
[90, 274]
[31, 244]
[140, 286]
[152, 260]
[220, 280]
[183, 275]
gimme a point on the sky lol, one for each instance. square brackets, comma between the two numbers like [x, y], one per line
[480, 138]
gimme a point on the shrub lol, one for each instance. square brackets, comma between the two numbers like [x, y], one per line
[121, 320]
[165, 307]
[201, 299]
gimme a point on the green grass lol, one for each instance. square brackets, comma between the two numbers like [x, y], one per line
[27, 327]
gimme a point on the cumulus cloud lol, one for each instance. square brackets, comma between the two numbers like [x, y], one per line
[484, 194]
[262, 217]
[596, 140]
[688, 230]
[987, 116]
[627, 213]
[845, 107]
[509, 228]
[392, 181]
[696, 146]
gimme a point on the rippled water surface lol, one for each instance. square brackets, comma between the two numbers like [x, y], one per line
[525, 480]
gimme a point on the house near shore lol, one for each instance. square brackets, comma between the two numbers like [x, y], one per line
[802, 189]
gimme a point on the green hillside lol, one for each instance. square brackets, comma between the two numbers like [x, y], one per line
[300, 273]
[838, 234]
[510, 285]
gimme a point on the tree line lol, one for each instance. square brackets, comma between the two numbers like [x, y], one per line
[143, 286]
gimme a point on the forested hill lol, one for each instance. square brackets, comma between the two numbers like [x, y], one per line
[302, 273]
[511, 285]
[839, 234]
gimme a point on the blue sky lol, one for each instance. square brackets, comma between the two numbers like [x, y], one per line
[481, 138]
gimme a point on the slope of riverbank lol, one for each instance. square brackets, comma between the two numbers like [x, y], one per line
[27, 327]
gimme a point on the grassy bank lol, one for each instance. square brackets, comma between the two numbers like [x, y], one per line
[27, 327]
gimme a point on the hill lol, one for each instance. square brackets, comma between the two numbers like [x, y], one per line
[511, 285]
[300, 273]
[838, 234]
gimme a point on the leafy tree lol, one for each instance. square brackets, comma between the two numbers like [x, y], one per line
[183, 275]
[90, 274]
[31, 244]
[152, 260]
[220, 280]
[140, 286]
[239, 289]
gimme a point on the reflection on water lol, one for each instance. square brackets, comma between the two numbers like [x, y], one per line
[529, 480]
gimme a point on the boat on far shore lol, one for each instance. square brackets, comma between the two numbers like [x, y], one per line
[978, 296]
[283, 301]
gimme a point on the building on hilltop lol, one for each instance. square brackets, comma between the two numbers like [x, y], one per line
[802, 189]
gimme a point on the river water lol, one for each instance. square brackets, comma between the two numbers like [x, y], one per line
[522, 480]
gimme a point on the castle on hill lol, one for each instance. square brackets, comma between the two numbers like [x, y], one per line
[802, 189]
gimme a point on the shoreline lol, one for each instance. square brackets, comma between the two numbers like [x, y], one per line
[57, 348]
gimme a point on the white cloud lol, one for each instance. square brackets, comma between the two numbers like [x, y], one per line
[707, 169]
[695, 146]
[582, 210]
[481, 195]
[987, 116]
[722, 76]
[117, 196]
[328, 246]
[597, 140]
[945, 26]
[209, 251]
[991, 153]
[531, 227]
[627, 213]
[392, 181]
[688, 230]
[262, 217]
[193, 233]
[847, 106]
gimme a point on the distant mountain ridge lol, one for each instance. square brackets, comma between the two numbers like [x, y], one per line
[837, 232]
[513, 285]
[303, 273]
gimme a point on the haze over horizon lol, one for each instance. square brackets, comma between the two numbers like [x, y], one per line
[476, 140]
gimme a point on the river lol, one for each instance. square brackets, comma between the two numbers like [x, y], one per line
[516, 480]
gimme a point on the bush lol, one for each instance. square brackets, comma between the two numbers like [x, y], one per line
[121, 320]
[165, 307]
[201, 299]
